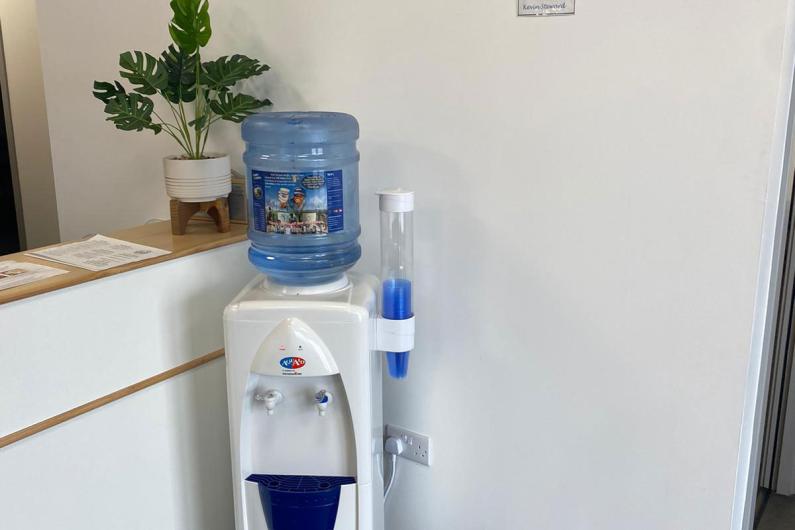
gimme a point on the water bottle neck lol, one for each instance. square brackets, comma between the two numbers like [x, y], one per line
[269, 284]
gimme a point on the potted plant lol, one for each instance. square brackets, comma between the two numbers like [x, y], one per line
[196, 95]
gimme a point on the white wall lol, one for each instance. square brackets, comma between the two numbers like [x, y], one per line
[29, 121]
[590, 202]
[105, 179]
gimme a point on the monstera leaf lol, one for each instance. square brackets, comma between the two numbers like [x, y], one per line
[190, 26]
[236, 107]
[105, 91]
[144, 71]
[224, 72]
[181, 68]
[132, 112]
[179, 76]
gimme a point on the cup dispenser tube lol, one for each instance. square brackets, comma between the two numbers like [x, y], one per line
[396, 324]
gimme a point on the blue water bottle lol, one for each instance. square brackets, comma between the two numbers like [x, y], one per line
[303, 195]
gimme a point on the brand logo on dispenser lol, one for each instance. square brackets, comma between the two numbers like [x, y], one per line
[292, 363]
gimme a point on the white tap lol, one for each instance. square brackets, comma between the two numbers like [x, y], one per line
[271, 399]
[322, 401]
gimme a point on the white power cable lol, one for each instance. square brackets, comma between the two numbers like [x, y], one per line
[393, 461]
[394, 447]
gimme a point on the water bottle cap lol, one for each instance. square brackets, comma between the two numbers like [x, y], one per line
[396, 200]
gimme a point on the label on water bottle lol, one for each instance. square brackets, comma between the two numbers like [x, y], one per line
[308, 202]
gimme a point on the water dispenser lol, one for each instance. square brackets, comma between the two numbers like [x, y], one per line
[304, 339]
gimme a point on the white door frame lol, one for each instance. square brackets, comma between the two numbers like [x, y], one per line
[27, 111]
[12, 151]
[779, 192]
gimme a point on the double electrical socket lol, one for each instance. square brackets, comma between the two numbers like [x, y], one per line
[418, 446]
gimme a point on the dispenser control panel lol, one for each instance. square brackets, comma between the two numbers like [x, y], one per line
[292, 349]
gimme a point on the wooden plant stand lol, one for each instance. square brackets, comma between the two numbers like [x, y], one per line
[181, 212]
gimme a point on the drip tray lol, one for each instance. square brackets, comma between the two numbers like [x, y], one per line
[300, 502]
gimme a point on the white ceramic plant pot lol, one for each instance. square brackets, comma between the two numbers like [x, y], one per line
[198, 180]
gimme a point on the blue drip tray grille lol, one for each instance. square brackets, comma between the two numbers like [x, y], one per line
[299, 502]
[300, 483]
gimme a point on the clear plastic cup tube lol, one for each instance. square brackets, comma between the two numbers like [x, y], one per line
[397, 261]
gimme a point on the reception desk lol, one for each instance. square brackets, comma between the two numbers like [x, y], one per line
[112, 389]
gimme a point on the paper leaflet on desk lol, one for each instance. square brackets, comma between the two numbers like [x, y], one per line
[16, 273]
[98, 253]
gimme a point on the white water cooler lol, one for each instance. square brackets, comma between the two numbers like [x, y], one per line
[304, 389]
[305, 344]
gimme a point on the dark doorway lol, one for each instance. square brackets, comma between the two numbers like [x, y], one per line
[9, 232]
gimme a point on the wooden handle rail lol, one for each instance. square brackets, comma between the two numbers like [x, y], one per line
[109, 398]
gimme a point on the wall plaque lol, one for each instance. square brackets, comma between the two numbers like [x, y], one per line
[545, 7]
